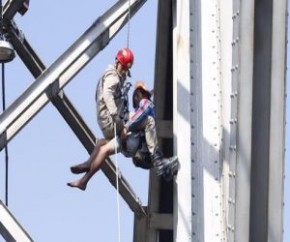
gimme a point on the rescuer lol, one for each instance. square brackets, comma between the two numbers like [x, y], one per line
[108, 99]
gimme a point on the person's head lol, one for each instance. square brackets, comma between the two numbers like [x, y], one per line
[140, 92]
[124, 61]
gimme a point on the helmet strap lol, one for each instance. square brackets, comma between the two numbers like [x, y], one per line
[117, 68]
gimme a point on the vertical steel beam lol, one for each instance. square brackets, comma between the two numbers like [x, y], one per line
[182, 106]
[230, 152]
[197, 119]
[140, 229]
[261, 119]
[228, 43]
[243, 149]
[161, 193]
[210, 138]
[277, 122]
[268, 121]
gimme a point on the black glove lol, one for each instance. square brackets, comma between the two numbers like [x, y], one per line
[119, 125]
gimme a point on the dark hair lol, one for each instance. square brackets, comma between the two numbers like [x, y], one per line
[141, 94]
[145, 93]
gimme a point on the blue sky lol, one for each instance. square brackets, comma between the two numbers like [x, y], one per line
[41, 154]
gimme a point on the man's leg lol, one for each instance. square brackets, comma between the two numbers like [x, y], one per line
[85, 166]
[167, 166]
[95, 164]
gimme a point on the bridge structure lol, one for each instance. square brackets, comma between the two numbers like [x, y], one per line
[221, 71]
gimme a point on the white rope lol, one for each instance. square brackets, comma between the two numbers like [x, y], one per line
[129, 18]
[117, 184]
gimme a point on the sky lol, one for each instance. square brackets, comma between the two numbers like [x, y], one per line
[41, 153]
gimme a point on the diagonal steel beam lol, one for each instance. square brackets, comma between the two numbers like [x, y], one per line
[62, 103]
[10, 8]
[10, 228]
[87, 138]
[25, 51]
[66, 67]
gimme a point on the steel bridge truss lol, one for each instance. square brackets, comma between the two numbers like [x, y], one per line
[220, 67]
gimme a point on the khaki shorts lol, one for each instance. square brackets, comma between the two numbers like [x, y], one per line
[115, 144]
[108, 131]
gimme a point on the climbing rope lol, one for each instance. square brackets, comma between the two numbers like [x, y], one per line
[115, 134]
[6, 147]
[117, 184]
[128, 25]
[116, 142]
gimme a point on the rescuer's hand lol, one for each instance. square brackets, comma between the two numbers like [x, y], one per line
[123, 135]
[119, 125]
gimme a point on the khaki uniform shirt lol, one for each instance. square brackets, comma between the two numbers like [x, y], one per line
[108, 99]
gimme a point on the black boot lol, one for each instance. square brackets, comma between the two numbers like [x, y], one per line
[157, 161]
[167, 167]
[142, 160]
[172, 169]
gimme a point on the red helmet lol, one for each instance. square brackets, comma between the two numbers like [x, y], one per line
[125, 57]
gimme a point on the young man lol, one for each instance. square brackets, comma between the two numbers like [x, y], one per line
[129, 142]
[144, 120]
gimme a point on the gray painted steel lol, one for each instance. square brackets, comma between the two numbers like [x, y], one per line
[186, 208]
[10, 229]
[277, 123]
[10, 8]
[232, 56]
[198, 120]
[87, 138]
[243, 150]
[160, 198]
[228, 53]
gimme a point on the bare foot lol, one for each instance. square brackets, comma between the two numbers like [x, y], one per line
[77, 169]
[77, 184]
